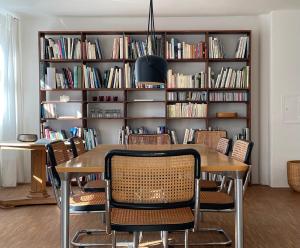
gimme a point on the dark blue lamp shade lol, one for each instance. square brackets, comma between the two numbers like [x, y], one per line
[150, 68]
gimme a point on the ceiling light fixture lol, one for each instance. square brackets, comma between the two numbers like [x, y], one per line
[151, 68]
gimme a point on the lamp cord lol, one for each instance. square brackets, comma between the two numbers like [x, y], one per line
[151, 31]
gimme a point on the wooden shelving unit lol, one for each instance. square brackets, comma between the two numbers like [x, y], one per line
[126, 102]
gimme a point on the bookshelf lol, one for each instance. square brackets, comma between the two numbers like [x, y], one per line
[144, 112]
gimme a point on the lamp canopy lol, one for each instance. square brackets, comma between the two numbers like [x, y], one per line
[151, 68]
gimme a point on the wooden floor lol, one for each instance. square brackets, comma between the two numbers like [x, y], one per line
[272, 220]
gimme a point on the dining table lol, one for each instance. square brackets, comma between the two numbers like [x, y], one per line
[93, 161]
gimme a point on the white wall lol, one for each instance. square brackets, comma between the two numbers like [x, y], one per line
[31, 26]
[285, 80]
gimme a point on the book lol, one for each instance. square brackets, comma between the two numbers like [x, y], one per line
[174, 137]
[186, 136]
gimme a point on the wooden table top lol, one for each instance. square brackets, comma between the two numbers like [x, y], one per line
[93, 161]
[21, 145]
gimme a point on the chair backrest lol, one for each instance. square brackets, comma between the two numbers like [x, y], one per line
[152, 179]
[77, 146]
[149, 139]
[57, 153]
[242, 151]
[224, 145]
[209, 138]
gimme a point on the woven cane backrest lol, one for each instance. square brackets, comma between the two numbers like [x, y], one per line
[149, 139]
[77, 146]
[209, 138]
[241, 150]
[223, 146]
[153, 179]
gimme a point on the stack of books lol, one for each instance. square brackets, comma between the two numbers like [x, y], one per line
[48, 110]
[62, 48]
[177, 80]
[215, 48]
[187, 110]
[129, 76]
[187, 96]
[50, 134]
[117, 52]
[229, 78]
[92, 50]
[183, 50]
[228, 96]
[91, 77]
[242, 49]
[90, 137]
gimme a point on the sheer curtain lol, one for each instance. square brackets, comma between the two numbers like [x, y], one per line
[12, 166]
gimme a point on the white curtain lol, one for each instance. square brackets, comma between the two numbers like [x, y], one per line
[12, 166]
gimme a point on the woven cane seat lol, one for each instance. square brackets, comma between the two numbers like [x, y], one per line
[207, 185]
[216, 201]
[151, 220]
[88, 202]
[95, 186]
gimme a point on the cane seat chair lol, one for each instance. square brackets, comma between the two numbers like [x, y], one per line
[224, 201]
[96, 185]
[80, 203]
[210, 139]
[152, 191]
[149, 139]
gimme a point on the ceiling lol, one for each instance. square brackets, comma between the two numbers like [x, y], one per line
[140, 7]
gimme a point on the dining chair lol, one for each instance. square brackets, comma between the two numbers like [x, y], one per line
[149, 139]
[91, 185]
[224, 201]
[149, 191]
[80, 203]
[210, 139]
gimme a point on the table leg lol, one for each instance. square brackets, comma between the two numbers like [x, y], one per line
[239, 217]
[64, 211]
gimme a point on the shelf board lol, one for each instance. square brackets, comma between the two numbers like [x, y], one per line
[186, 89]
[61, 119]
[102, 89]
[227, 101]
[103, 118]
[102, 60]
[71, 101]
[186, 101]
[68, 89]
[201, 60]
[228, 118]
[87, 102]
[228, 60]
[155, 101]
[61, 60]
[144, 89]
[185, 118]
[228, 89]
[145, 117]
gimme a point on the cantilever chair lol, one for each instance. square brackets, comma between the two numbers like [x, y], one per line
[149, 139]
[152, 191]
[215, 140]
[221, 201]
[96, 185]
[81, 203]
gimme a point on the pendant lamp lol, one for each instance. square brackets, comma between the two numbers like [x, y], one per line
[151, 68]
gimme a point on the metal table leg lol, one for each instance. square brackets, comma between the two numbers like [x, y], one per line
[64, 211]
[239, 221]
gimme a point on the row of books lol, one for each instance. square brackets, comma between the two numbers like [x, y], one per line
[90, 137]
[63, 79]
[48, 110]
[92, 50]
[187, 110]
[129, 76]
[62, 48]
[242, 49]
[50, 134]
[229, 78]
[187, 96]
[216, 50]
[125, 131]
[177, 80]
[92, 78]
[183, 50]
[228, 96]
